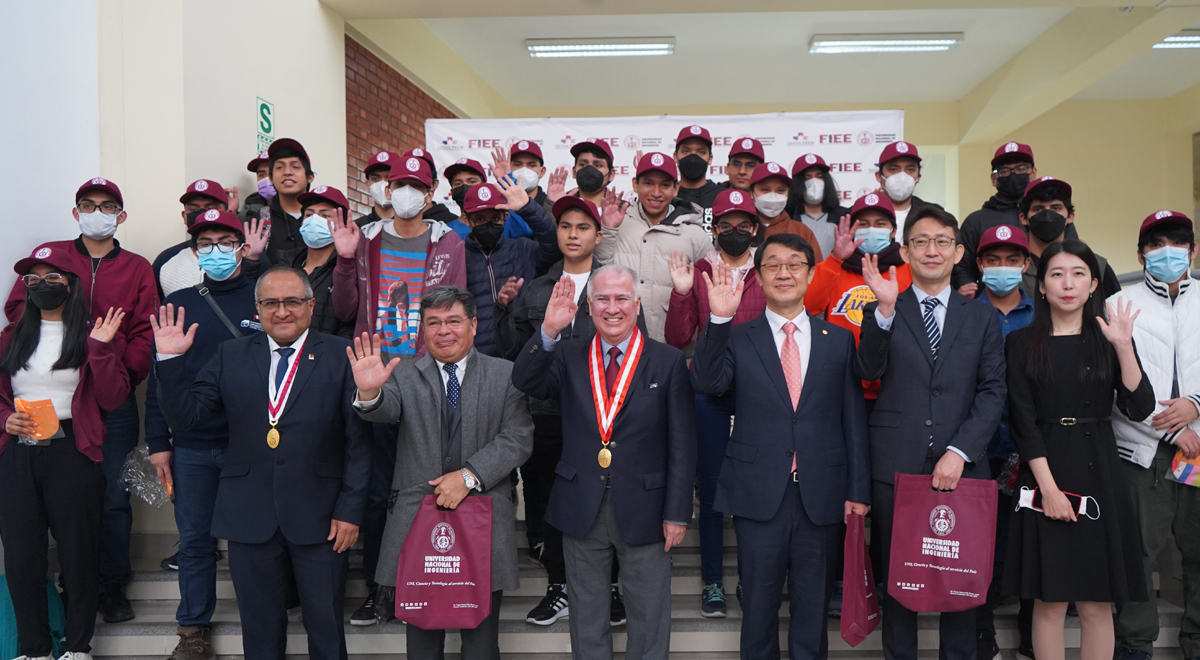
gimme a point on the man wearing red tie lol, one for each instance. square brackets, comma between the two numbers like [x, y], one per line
[627, 470]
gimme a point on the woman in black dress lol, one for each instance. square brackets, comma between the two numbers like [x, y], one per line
[1074, 538]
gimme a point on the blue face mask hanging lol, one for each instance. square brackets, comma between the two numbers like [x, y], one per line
[1167, 264]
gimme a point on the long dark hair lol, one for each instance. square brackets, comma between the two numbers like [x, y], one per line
[28, 331]
[1097, 359]
[829, 202]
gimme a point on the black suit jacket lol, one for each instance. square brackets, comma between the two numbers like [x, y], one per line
[653, 440]
[957, 399]
[320, 469]
[827, 431]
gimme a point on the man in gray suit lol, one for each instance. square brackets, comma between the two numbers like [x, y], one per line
[463, 428]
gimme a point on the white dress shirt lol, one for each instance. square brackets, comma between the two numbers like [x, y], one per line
[275, 357]
[460, 372]
[803, 334]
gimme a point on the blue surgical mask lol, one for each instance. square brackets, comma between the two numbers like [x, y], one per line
[875, 239]
[1001, 280]
[315, 232]
[219, 265]
[1167, 264]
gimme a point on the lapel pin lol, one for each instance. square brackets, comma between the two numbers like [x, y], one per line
[310, 356]
[824, 332]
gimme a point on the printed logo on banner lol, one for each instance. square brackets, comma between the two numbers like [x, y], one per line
[799, 139]
[566, 141]
[442, 537]
[632, 142]
[863, 191]
[451, 144]
[941, 520]
[866, 138]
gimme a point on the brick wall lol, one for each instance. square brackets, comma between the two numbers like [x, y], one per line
[384, 111]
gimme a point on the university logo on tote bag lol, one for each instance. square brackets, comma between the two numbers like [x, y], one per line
[860, 607]
[943, 544]
[444, 578]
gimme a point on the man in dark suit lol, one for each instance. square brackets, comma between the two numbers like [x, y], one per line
[295, 476]
[798, 462]
[627, 469]
[940, 359]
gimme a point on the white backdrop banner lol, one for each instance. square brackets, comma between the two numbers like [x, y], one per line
[849, 141]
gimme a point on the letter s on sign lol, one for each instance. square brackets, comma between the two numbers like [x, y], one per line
[265, 121]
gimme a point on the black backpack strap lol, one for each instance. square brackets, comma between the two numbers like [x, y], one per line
[217, 309]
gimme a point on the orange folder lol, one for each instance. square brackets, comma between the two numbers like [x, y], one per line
[43, 415]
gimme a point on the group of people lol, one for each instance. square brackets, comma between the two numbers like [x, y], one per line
[313, 377]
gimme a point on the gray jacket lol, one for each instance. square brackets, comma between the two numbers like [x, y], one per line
[497, 436]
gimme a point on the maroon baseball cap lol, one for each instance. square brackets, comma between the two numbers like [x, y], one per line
[591, 143]
[768, 170]
[806, 161]
[1013, 152]
[748, 146]
[417, 152]
[381, 160]
[1003, 235]
[412, 168]
[728, 201]
[897, 150]
[875, 202]
[571, 202]
[323, 194]
[258, 160]
[1164, 217]
[481, 197]
[205, 188]
[467, 164]
[694, 131]
[526, 147]
[288, 143]
[659, 161]
[214, 218]
[46, 253]
[100, 184]
[1047, 181]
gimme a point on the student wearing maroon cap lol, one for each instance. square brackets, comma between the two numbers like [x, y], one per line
[376, 172]
[463, 174]
[1046, 212]
[813, 199]
[745, 155]
[525, 161]
[291, 175]
[49, 477]
[1012, 170]
[111, 277]
[593, 173]
[321, 208]
[260, 167]
[769, 185]
[437, 211]
[693, 153]
[899, 173]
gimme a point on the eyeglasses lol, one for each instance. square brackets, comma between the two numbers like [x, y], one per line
[942, 243]
[52, 278]
[739, 164]
[290, 304]
[454, 324]
[1023, 168]
[86, 206]
[226, 246]
[741, 229]
[793, 267]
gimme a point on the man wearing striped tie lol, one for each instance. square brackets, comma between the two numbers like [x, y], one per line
[939, 357]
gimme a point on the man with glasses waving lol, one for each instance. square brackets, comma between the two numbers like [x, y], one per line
[293, 486]
[110, 276]
[939, 358]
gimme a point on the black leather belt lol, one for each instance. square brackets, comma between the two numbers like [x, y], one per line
[1072, 421]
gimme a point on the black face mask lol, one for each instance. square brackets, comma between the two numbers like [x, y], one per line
[47, 296]
[734, 243]
[488, 235]
[459, 195]
[589, 179]
[1047, 225]
[1012, 186]
[692, 167]
[193, 216]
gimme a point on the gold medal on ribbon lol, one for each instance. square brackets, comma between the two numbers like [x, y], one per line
[273, 437]
[607, 406]
[605, 457]
[275, 404]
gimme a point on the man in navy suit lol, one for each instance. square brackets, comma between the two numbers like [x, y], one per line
[939, 357]
[295, 476]
[625, 478]
[798, 461]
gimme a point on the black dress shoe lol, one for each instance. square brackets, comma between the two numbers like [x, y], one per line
[114, 606]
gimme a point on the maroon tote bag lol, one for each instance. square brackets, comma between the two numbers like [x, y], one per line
[860, 606]
[444, 579]
[943, 544]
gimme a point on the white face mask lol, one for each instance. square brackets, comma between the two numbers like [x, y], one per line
[408, 201]
[97, 226]
[527, 177]
[814, 191]
[899, 186]
[770, 204]
[379, 193]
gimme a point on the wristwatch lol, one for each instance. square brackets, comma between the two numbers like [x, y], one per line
[469, 479]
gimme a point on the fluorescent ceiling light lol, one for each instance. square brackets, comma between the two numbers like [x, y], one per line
[616, 47]
[1185, 39]
[884, 43]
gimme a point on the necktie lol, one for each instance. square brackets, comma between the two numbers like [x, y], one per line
[931, 325]
[282, 368]
[611, 371]
[790, 358]
[451, 384]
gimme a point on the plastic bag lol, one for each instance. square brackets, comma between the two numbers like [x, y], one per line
[141, 478]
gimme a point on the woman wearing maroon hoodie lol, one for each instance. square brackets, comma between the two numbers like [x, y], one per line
[50, 477]
[735, 224]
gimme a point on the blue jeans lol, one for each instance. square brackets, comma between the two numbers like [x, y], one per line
[197, 475]
[713, 416]
[117, 522]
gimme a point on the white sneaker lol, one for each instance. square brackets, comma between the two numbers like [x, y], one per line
[75, 655]
[26, 657]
